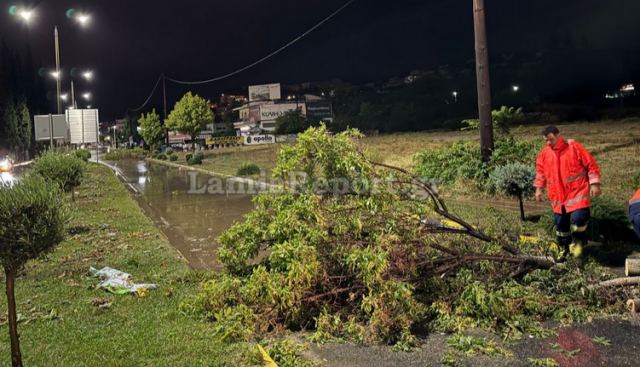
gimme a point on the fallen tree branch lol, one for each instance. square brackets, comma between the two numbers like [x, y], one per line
[616, 282]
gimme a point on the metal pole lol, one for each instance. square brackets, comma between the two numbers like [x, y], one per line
[59, 77]
[115, 140]
[483, 80]
[97, 138]
[51, 131]
[73, 96]
[164, 99]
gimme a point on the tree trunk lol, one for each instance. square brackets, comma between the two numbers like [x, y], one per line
[616, 282]
[633, 305]
[521, 207]
[632, 267]
[16, 357]
[483, 80]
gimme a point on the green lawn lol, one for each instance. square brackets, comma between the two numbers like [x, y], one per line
[61, 326]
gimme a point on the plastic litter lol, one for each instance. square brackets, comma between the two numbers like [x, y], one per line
[119, 282]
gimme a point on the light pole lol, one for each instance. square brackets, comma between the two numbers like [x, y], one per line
[58, 76]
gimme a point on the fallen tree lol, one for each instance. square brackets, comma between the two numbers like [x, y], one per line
[364, 250]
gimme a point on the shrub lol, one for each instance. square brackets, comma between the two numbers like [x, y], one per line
[162, 157]
[196, 158]
[173, 157]
[83, 154]
[118, 154]
[188, 157]
[33, 215]
[248, 169]
[503, 119]
[462, 160]
[514, 179]
[168, 151]
[64, 170]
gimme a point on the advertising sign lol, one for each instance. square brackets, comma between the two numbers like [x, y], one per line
[42, 126]
[259, 139]
[264, 92]
[270, 112]
[83, 125]
[320, 110]
[233, 140]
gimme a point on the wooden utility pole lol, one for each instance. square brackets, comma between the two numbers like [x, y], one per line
[164, 102]
[483, 80]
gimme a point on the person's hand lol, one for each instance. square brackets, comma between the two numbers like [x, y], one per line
[539, 194]
[595, 190]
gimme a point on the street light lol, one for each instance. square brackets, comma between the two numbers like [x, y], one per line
[455, 95]
[88, 75]
[86, 96]
[55, 74]
[64, 97]
[83, 19]
[26, 15]
[515, 88]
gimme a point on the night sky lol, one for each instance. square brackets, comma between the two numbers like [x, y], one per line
[129, 43]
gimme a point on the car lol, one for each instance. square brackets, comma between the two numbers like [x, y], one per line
[6, 164]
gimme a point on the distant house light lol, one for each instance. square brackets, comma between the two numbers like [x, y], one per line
[628, 88]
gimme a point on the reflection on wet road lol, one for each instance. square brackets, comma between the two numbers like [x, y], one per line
[191, 221]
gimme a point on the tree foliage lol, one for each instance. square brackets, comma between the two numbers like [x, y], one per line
[151, 129]
[190, 115]
[291, 122]
[514, 179]
[359, 250]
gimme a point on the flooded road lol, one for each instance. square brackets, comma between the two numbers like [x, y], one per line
[192, 221]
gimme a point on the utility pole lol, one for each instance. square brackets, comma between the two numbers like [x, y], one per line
[58, 76]
[73, 96]
[164, 101]
[483, 80]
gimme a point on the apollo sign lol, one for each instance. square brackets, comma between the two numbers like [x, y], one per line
[259, 139]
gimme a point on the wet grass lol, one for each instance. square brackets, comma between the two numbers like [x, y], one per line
[62, 324]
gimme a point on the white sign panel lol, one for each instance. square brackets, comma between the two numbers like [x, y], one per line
[270, 112]
[83, 125]
[42, 126]
[259, 139]
[264, 92]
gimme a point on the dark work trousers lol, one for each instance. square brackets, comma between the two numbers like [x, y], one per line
[634, 217]
[572, 227]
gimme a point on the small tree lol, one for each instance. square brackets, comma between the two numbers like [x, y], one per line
[64, 170]
[24, 128]
[190, 115]
[291, 122]
[151, 129]
[514, 179]
[32, 220]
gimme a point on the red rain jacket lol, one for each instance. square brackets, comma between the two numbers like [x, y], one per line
[635, 199]
[567, 170]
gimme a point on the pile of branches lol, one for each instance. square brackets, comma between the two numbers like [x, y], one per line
[359, 249]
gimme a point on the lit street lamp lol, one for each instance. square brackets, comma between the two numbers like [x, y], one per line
[515, 88]
[64, 97]
[86, 96]
[455, 96]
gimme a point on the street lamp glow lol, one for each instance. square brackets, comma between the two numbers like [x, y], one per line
[26, 15]
[64, 97]
[88, 75]
[55, 74]
[455, 93]
[86, 96]
[83, 19]
[515, 88]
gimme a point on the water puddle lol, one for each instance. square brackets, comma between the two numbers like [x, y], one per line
[191, 221]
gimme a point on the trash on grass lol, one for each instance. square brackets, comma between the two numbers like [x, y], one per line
[119, 282]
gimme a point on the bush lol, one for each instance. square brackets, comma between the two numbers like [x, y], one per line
[514, 179]
[196, 158]
[248, 169]
[64, 170]
[173, 157]
[33, 215]
[168, 151]
[162, 157]
[83, 154]
[188, 157]
[118, 154]
[462, 160]
[503, 119]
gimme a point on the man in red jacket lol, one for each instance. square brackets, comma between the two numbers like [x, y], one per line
[634, 212]
[571, 175]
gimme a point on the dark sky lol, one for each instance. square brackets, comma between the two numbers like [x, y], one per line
[130, 42]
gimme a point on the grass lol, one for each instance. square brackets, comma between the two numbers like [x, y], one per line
[61, 326]
[226, 161]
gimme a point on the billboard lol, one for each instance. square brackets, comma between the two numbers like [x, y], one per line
[320, 110]
[270, 112]
[43, 124]
[264, 92]
[83, 125]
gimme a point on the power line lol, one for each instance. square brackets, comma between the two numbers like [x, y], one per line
[259, 61]
[150, 95]
[238, 71]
